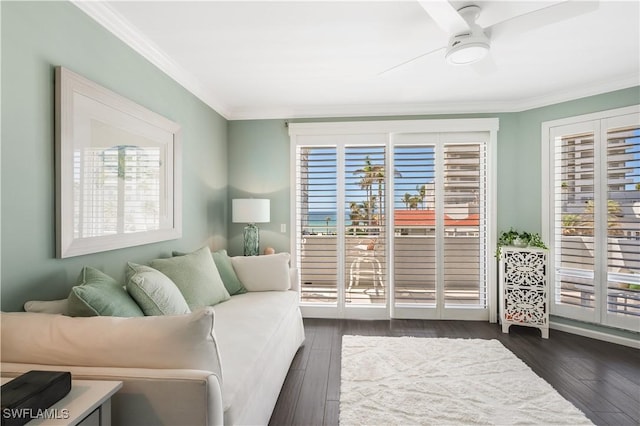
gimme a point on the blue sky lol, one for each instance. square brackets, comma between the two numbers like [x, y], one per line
[415, 166]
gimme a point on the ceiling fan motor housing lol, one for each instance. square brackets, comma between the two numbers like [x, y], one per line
[468, 46]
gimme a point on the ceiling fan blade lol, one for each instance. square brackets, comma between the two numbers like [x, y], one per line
[445, 15]
[540, 18]
[411, 60]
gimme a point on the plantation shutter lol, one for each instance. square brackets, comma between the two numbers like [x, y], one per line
[595, 227]
[317, 204]
[465, 251]
[415, 225]
[390, 218]
[365, 236]
[623, 221]
[440, 223]
[574, 221]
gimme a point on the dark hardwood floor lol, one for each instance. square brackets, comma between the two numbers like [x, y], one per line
[601, 379]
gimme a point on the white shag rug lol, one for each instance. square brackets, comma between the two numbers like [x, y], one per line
[439, 381]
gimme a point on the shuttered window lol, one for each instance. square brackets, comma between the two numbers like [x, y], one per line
[317, 204]
[440, 243]
[623, 220]
[117, 190]
[594, 177]
[390, 218]
[415, 225]
[464, 237]
[574, 222]
[365, 178]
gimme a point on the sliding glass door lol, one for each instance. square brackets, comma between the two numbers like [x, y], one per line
[440, 238]
[341, 242]
[392, 224]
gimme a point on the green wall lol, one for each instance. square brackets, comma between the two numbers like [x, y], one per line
[259, 168]
[36, 37]
[259, 152]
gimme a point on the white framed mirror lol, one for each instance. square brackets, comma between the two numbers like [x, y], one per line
[118, 173]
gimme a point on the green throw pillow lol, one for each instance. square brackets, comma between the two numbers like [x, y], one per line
[227, 273]
[96, 293]
[196, 276]
[154, 292]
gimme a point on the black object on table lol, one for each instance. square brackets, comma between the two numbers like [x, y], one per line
[27, 397]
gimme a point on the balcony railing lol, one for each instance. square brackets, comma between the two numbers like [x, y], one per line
[414, 264]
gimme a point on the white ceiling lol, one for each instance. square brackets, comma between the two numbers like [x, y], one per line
[270, 59]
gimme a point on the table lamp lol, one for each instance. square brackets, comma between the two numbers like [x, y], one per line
[251, 211]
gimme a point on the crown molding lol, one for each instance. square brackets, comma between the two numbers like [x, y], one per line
[489, 107]
[573, 93]
[106, 16]
[378, 110]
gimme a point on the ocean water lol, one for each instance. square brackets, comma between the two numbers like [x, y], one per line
[318, 219]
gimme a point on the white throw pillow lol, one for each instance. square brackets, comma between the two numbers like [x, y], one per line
[164, 342]
[48, 306]
[263, 273]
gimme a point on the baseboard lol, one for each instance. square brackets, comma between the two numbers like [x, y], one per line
[594, 334]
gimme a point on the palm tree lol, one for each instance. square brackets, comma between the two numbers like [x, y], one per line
[327, 219]
[422, 191]
[414, 202]
[373, 174]
[366, 183]
[406, 199]
[378, 179]
[355, 213]
[370, 208]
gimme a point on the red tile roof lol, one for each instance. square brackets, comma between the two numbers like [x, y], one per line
[428, 218]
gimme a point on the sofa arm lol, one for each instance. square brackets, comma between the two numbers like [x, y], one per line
[150, 396]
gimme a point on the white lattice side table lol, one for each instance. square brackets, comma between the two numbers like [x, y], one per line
[524, 293]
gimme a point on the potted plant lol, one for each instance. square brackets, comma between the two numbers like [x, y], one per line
[519, 239]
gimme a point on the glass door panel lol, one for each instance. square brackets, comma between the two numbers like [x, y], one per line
[464, 254]
[364, 212]
[317, 204]
[414, 226]
[623, 226]
[573, 227]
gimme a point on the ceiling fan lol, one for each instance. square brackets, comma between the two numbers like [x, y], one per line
[469, 43]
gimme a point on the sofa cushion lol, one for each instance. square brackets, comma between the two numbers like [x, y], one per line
[196, 276]
[178, 342]
[258, 334]
[48, 306]
[263, 273]
[154, 292]
[96, 293]
[227, 273]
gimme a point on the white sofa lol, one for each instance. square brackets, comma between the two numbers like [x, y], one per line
[218, 365]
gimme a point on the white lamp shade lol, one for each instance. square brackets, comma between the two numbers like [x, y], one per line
[250, 210]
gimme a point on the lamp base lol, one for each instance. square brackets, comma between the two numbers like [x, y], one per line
[251, 240]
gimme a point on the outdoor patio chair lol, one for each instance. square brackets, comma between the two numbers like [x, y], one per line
[365, 264]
